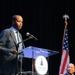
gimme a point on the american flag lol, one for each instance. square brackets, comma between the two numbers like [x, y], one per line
[65, 59]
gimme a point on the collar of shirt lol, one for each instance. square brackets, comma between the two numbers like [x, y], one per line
[70, 74]
[14, 29]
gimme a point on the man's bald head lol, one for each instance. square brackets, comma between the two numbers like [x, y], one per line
[70, 68]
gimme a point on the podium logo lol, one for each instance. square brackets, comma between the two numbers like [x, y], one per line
[41, 65]
[41, 62]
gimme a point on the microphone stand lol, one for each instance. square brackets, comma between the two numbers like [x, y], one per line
[17, 45]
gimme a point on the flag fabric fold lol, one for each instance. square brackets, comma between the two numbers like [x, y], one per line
[65, 58]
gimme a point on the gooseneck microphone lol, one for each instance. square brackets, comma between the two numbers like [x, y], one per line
[32, 36]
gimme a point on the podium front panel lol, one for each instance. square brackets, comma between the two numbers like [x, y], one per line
[40, 58]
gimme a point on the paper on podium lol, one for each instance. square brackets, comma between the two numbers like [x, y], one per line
[33, 52]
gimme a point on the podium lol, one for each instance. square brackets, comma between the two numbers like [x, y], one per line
[40, 58]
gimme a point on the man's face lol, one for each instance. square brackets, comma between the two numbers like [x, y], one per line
[18, 23]
[70, 69]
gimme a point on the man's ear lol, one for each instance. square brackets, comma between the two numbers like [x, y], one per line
[74, 68]
[66, 69]
[12, 21]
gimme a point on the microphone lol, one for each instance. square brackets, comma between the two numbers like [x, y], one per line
[31, 36]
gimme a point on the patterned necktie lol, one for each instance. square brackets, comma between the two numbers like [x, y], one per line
[19, 42]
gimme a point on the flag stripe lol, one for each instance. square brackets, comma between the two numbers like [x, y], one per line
[68, 59]
[64, 61]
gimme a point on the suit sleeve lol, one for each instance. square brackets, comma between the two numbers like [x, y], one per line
[3, 40]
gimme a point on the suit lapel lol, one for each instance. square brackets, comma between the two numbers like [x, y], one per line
[14, 38]
[13, 35]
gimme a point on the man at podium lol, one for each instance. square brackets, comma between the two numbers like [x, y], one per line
[10, 46]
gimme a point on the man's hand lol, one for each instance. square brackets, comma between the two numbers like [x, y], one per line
[14, 51]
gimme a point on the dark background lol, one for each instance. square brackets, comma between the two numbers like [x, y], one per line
[43, 19]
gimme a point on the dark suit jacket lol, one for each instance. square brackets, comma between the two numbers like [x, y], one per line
[7, 59]
[67, 74]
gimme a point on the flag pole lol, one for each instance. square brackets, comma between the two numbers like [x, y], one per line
[66, 23]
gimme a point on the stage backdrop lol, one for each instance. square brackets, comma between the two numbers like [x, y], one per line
[43, 19]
